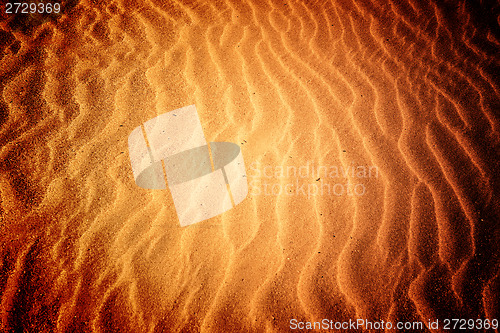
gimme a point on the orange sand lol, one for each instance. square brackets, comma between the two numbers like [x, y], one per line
[408, 88]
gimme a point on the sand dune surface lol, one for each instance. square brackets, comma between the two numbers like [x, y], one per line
[370, 134]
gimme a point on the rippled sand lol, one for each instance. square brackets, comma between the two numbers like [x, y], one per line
[408, 88]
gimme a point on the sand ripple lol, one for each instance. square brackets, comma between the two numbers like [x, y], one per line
[408, 87]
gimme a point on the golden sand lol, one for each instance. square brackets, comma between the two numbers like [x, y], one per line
[408, 88]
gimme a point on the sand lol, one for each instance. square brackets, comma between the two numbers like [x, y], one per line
[405, 88]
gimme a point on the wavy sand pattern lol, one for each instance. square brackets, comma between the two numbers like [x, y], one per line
[410, 88]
